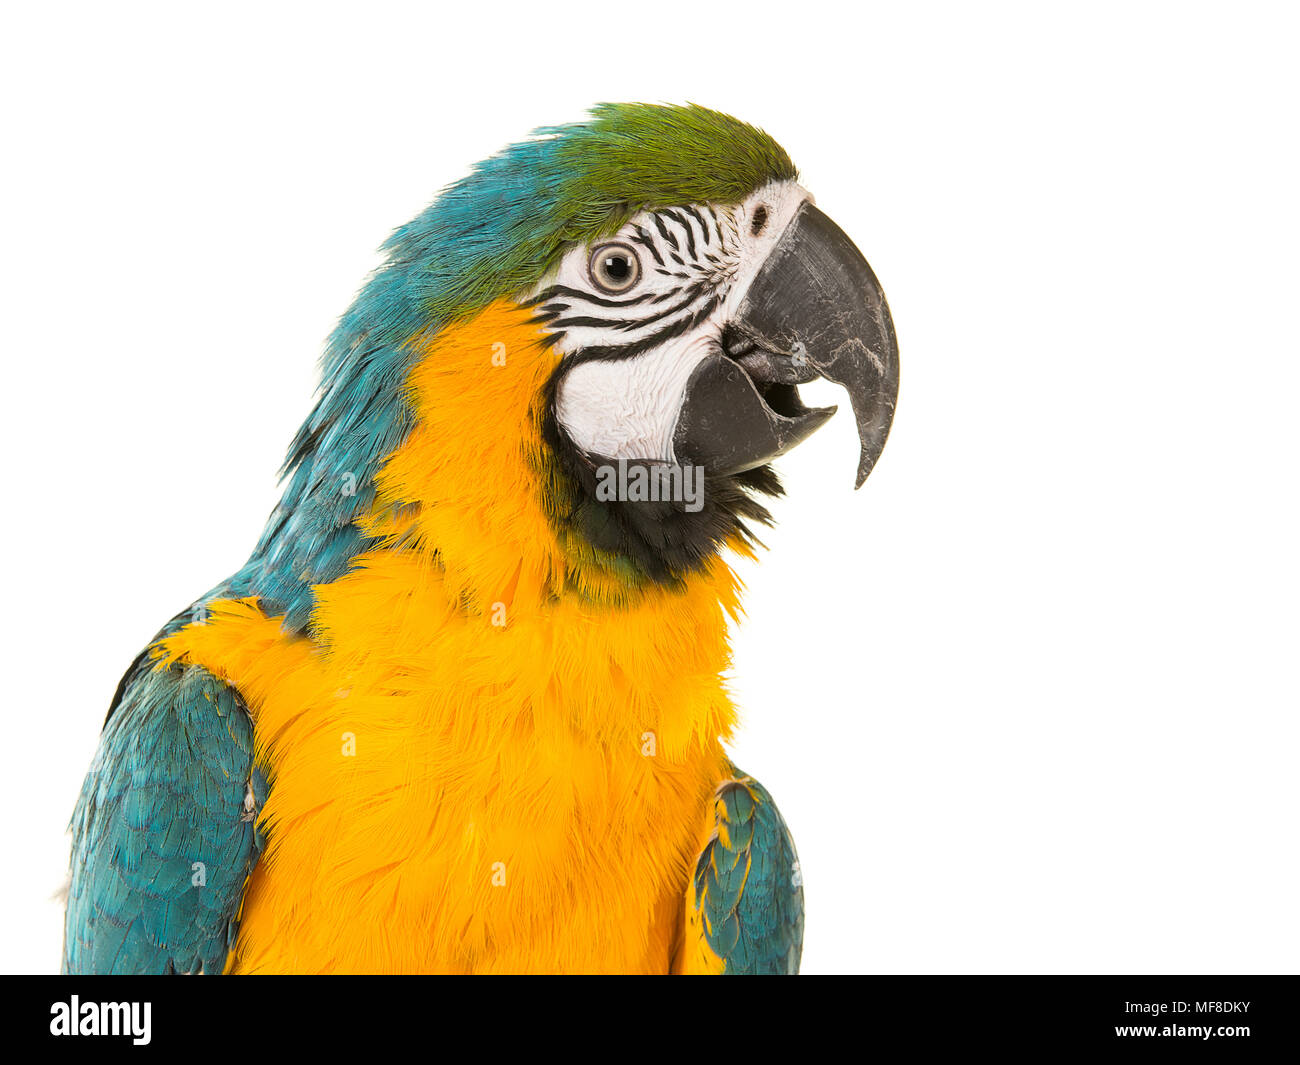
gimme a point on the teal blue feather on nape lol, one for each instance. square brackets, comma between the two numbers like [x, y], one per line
[164, 835]
[749, 889]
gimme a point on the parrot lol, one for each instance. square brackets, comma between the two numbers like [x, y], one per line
[464, 709]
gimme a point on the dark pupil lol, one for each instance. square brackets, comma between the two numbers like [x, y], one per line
[618, 268]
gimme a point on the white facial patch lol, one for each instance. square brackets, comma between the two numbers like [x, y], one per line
[628, 408]
[695, 265]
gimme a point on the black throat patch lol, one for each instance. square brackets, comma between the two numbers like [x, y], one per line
[665, 523]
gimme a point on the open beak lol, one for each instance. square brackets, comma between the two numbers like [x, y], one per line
[814, 310]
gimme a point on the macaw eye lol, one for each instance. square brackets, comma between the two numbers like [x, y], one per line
[614, 268]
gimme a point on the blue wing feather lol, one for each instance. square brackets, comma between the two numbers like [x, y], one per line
[747, 883]
[164, 834]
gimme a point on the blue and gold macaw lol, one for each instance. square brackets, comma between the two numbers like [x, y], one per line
[461, 711]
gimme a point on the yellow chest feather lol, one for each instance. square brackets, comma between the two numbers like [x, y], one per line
[451, 795]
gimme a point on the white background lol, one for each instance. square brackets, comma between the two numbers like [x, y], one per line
[1028, 700]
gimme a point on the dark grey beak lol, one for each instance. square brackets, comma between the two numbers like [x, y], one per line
[814, 310]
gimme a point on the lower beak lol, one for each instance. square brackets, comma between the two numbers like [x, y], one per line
[814, 310]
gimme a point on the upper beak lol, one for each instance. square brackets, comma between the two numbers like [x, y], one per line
[815, 309]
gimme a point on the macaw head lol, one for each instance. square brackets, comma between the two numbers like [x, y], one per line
[590, 348]
[685, 332]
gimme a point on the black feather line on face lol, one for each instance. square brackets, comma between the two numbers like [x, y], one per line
[680, 219]
[665, 232]
[663, 540]
[704, 226]
[685, 297]
[643, 238]
[556, 292]
[637, 347]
